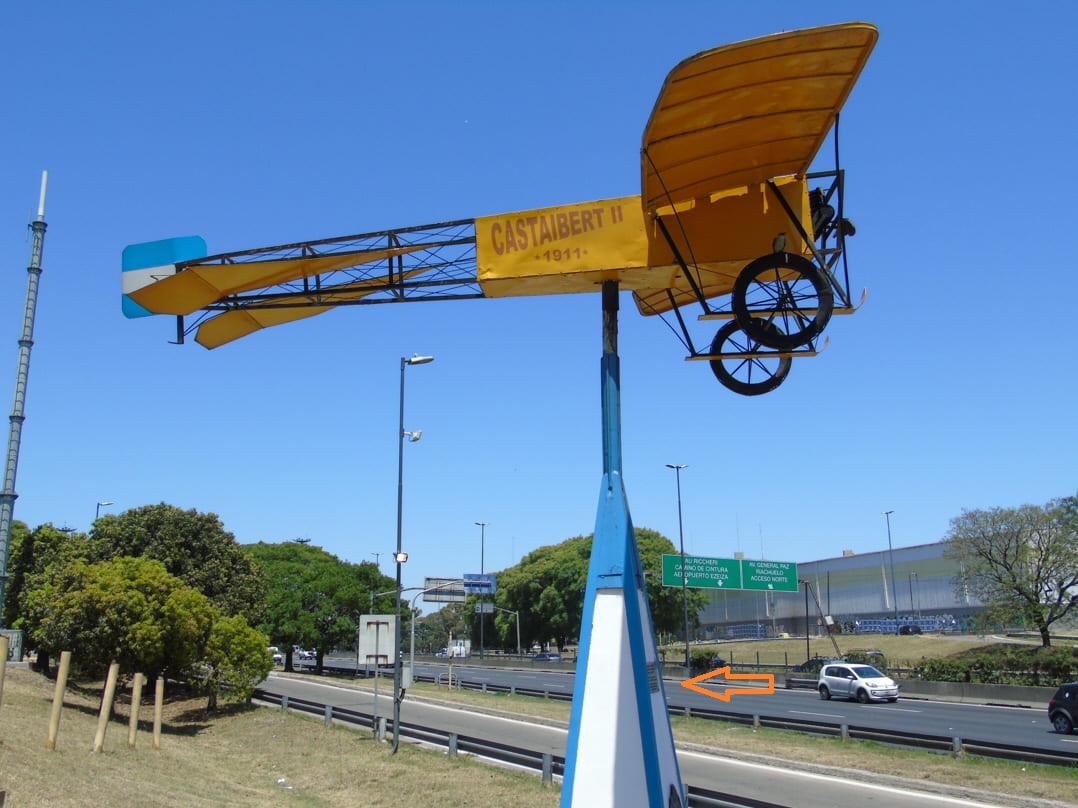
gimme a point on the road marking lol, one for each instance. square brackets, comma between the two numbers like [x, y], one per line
[806, 712]
[921, 795]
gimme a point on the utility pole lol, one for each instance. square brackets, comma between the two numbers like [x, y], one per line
[26, 342]
[891, 554]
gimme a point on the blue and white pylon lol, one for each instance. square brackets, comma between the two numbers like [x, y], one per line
[620, 751]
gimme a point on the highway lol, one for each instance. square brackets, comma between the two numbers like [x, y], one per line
[1023, 726]
[765, 781]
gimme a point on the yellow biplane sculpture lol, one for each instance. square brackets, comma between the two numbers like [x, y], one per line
[730, 219]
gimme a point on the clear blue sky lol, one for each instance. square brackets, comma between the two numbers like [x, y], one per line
[253, 124]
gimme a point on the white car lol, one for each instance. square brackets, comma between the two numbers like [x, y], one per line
[853, 681]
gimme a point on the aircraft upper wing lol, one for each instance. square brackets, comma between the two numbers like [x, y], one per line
[744, 113]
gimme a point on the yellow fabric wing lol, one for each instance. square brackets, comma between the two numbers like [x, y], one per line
[200, 285]
[741, 114]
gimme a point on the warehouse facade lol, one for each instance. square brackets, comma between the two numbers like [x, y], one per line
[858, 593]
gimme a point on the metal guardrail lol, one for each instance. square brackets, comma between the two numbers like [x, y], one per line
[545, 763]
[953, 744]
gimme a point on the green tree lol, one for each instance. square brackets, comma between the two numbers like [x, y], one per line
[547, 587]
[193, 546]
[314, 598]
[128, 610]
[235, 661]
[433, 630]
[16, 571]
[666, 602]
[36, 559]
[1021, 563]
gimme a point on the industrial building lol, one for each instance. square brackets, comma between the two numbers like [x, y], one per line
[864, 593]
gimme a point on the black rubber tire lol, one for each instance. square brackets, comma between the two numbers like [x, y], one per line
[777, 290]
[825, 694]
[1062, 724]
[749, 377]
[862, 696]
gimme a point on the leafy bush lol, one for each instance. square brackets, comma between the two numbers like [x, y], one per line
[701, 661]
[874, 658]
[1007, 664]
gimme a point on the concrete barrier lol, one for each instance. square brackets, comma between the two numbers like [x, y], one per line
[1011, 695]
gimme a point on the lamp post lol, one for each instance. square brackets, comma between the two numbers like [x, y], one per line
[411, 646]
[808, 647]
[891, 553]
[400, 557]
[684, 585]
[97, 515]
[482, 553]
[517, 615]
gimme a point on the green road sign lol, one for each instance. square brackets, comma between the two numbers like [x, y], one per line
[731, 573]
[772, 576]
[701, 572]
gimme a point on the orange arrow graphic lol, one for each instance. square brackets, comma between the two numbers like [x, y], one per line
[730, 691]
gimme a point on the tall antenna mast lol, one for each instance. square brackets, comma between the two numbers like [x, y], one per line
[26, 342]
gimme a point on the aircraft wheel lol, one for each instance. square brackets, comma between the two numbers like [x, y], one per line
[749, 376]
[786, 292]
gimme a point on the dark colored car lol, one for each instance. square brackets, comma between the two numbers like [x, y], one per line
[547, 656]
[910, 629]
[806, 674]
[1063, 708]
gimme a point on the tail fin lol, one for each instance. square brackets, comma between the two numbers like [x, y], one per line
[150, 261]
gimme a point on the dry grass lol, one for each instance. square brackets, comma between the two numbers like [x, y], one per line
[240, 757]
[900, 651]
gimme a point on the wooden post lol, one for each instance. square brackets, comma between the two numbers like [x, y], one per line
[136, 701]
[158, 709]
[106, 706]
[58, 699]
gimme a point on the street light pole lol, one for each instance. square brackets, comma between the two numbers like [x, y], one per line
[482, 570]
[411, 646]
[684, 585]
[97, 515]
[400, 556]
[891, 553]
[517, 614]
[808, 647]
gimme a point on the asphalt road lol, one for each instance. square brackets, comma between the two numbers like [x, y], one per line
[1024, 726]
[770, 782]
